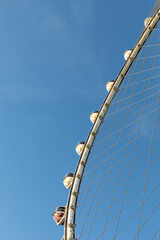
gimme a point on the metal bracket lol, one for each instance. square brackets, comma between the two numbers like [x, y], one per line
[75, 194]
[122, 75]
[72, 207]
[71, 226]
[115, 89]
[83, 163]
[78, 176]
[88, 146]
[133, 59]
[93, 133]
[101, 117]
[107, 104]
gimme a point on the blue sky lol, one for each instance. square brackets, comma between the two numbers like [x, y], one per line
[56, 57]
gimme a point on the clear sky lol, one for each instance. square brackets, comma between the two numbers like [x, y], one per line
[55, 59]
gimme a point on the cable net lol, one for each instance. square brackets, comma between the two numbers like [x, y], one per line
[155, 8]
[119, 196]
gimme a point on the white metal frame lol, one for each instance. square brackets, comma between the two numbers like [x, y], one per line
[69, 233]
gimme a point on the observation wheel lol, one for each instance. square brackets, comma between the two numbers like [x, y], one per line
[115, 190]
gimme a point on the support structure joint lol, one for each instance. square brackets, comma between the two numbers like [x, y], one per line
[72, 207]
[116, 89]
[101, 117]
[75, 194]
[93, 133]
[71, 226]
[88, 146]
[78, 176]
[83, 163]
[107, 104]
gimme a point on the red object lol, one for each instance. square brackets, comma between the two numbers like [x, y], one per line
[58, 217]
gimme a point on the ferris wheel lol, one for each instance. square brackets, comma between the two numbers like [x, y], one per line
[115, 189]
